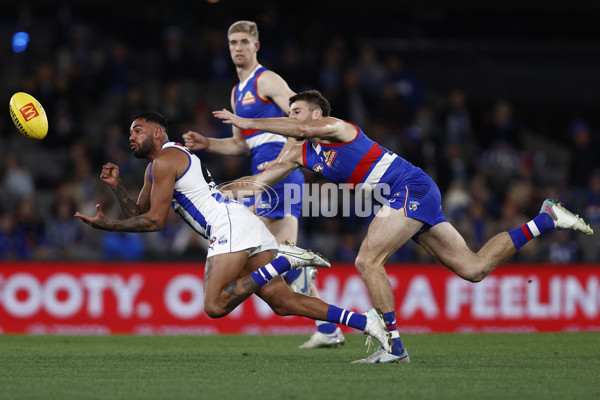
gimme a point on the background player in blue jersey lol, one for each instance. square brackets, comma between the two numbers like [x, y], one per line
[411, 205]
[240, 259]
[262, 93]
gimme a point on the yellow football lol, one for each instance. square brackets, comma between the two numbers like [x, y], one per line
[28, 115]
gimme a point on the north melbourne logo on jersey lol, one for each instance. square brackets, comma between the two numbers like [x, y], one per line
[248, 99]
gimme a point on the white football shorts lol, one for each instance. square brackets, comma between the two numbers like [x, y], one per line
[238, 229]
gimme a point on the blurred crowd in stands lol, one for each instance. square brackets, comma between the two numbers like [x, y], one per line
[492, 169]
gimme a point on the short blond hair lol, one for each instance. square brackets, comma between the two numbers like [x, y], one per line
[248, 27]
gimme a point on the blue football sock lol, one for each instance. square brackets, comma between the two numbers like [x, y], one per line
[276, 267]
[326, 327]
[523, 234]
[390, 323]
[345, 317]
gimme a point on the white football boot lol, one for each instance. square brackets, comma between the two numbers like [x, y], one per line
[563, 218]
[300, 258]
[320, 340]
[382, 356]
[376, 328]
[303, 282]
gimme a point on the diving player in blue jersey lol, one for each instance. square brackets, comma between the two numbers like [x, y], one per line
[241, 256]
[262, 93]
[410, 202]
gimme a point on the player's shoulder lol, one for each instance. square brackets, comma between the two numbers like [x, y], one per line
[173, 151]
[268, 76]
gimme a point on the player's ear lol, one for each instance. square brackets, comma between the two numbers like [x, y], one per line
[257, 45]
[317, 113]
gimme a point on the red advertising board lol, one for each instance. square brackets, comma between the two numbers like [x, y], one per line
[166, 298]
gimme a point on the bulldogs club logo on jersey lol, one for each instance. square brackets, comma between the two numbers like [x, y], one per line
[248, 99]
[413, 205]
[318, 168]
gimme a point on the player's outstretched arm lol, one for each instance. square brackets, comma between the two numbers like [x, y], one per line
[233, 146]
[291, 127]
[158, 195]
[254, 185]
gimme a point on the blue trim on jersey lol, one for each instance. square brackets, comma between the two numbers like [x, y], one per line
[175, 147]
[192, 210]
[189, 164]
[220, 198]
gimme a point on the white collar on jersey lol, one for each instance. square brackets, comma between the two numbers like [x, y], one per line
[243, 84]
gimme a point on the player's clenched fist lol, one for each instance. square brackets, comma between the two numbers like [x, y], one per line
[110, 174]
[195, 141]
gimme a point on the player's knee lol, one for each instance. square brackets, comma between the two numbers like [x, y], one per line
[474, 274]
[214, 310]
[364, 264]
[361, 264]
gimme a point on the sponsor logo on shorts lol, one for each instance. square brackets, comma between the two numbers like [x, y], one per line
[222, 240]
[29, 112]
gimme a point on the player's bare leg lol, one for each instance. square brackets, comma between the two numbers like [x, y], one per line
[230, 278]
[388, 231]
[446, 245]
[327, 334]
[227, 281]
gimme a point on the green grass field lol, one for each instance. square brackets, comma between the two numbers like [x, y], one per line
[468, 366]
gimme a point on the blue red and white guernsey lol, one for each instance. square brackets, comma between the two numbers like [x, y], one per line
[266, 146]
[366, 166]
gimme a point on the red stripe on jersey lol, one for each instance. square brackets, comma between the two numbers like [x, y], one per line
[525, 230]
[405, 199]
[304, 153]
[256, 89]
[248, 132]
[364, 164]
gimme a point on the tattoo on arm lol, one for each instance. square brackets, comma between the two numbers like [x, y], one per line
[128, 205]
[138, 224]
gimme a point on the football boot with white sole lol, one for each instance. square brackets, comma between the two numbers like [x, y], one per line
[382, 356]
[320, 340]
[300, 258]
[565, 219]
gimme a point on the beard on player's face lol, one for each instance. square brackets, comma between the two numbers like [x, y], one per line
[145, 147]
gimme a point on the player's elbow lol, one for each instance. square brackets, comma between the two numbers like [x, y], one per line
[154, 224]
